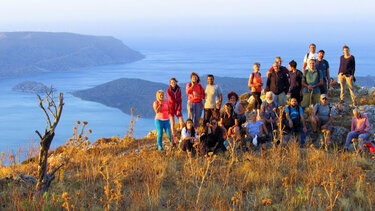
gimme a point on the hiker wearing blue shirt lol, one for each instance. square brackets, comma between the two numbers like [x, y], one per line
[257, 129]
[296, 121]
[312, 81]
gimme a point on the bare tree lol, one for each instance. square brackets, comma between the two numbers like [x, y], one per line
[53, 114]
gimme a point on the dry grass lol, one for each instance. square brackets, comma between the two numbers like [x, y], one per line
[124, 173]
[129, 174]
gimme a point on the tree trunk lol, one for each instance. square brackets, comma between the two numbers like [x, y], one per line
[43, 180]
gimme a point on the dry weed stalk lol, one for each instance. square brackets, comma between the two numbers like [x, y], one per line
[209, 160]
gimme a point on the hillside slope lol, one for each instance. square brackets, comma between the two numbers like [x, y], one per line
[32, 52]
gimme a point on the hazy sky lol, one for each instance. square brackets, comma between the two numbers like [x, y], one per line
[173, 19]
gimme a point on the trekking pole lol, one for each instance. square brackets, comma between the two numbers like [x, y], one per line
[311, 96]
[271, 128]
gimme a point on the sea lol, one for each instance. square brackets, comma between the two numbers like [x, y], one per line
[21, 116]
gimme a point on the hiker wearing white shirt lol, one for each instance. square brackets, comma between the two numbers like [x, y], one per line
[310, 55]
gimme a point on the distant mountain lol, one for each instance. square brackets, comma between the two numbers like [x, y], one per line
[138, 94]
[32, 52]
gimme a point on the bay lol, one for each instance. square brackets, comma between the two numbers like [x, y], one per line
[20, 115]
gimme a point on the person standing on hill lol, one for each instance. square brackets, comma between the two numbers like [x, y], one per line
[175, 101]
[322, 65]
[308, 56]
[211, 107]
[195, 94]
[295, 88]
[282, 68]
[255, 85]
[346, 74]
[278, 83]
[161, 108]
[312, 81]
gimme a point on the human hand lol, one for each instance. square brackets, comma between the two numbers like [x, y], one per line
[290, 123]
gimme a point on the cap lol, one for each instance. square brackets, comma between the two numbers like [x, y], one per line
[323, 96]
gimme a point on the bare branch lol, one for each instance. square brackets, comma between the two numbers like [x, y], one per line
[59, 111]
[52, 112]
[40, 136]
[54, 171]
[44, 110]
[28, 178]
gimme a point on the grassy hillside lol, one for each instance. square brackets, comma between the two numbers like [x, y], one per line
[124, 173]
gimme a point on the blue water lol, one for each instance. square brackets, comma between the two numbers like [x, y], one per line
[20, 115]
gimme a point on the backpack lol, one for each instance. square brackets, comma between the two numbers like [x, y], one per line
[329, 105]
[296, 122]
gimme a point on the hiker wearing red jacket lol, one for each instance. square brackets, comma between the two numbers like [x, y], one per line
[195, 93]
[175, 101]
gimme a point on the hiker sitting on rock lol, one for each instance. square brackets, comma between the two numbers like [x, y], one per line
[228, 120]
[360, 128]
[269, 111]
[213, 136]
[296, 121]
[257, 129]
[188, 136]
[238, 108]
[322, 118]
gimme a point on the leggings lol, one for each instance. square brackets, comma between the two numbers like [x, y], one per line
[160, 125]
[258, 101]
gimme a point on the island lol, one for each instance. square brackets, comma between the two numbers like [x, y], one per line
[23, 53]
[127, 93]
[30, 87]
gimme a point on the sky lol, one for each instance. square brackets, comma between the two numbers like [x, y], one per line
[204, 20]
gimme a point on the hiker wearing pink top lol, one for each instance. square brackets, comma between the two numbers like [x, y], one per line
[161, 108]
[175, 101]
[195, 93]
[360, 128]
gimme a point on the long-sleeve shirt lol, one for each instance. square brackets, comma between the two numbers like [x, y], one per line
[195, 93]
[277, 82]
[347, 66]
[174, 99]
[295, 81]
[361, 123]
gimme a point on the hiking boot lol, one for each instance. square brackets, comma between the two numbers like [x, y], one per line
[314, 136]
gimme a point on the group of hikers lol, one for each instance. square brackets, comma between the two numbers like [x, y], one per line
[224, 123]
